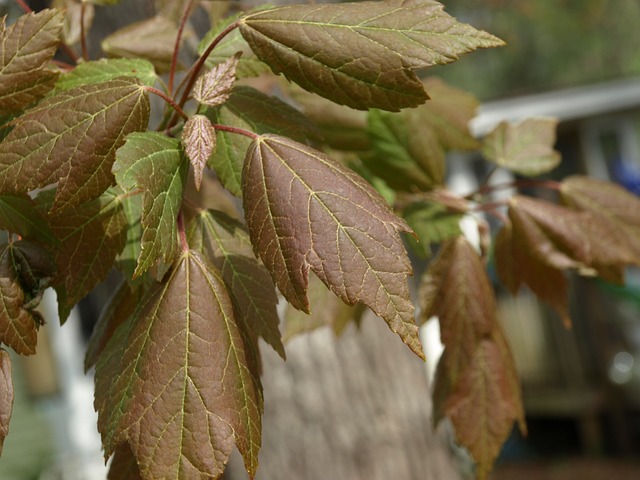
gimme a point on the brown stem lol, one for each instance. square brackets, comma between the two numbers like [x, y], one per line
[24, 6]
[182, 232]
[524, 183]
[83, 34]
[176, 47]
[167, 99]
[192, 75]
[239, 131]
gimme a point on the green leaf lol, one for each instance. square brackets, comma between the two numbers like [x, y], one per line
[232, 43]
[252, 110]
[525, 148]
[407, 156]
[116, 311]
[181, 420]
[124, 465]
[19, 214]
[104, 70]
[89, 237]
[152, 39]
[6, 395]
[27, 46]
[154, 163]
[24, 273]
[127, 260]
[306, 211]
[226, 244]
[433, 223]
[77, 152]
[199, 143]
[214, 87]
[385, 42]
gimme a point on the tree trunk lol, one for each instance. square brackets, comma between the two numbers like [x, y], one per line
[356, 407]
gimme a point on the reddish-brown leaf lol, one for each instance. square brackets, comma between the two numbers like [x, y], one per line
[616, 208]
[90, 237]
[305, 211]
[225, 243]
[6, 395]
[179, 381]
[484, 403]
[517, 264]
[72, 138]
[214, 87]
[27, 46]
[199, 142]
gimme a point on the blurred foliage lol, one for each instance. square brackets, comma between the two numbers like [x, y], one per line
[551, 44]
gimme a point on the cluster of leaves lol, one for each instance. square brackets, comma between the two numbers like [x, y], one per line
[86, 186]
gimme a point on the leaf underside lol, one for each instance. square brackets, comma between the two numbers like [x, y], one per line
[387, 41]
[181, 420]
[305, 211]
[72, 139]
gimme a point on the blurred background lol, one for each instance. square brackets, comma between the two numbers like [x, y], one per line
[577, 60]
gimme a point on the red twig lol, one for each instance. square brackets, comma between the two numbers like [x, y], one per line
[167, 99]
[192, 75]
[176, 47]
[239, 131]
[24, 6]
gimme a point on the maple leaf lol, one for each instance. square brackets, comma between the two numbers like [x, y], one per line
[71, 139]
[517, 265]
[305, 211]
[6, 395]
[152, 39]
[199, 142]
[476, 383]
[616, 208]
[207, 395]
[24, 273]
[27, 46]
[226, 244]
[387, 40]
[89, 238]
[484, 402]
[19, 214]
[254, 111]
[214, 87]
[154, 163]
[104, 70]
[525, 147]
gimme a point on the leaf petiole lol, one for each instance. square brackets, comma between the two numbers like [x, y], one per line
[176, 48]
[524, 183]
[239, 131]
[83, 33]
[167, 99]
